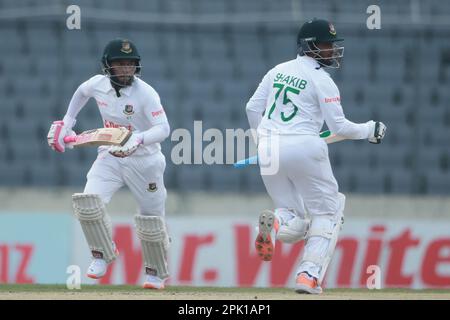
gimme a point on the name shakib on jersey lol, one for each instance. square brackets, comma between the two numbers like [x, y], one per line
[290, 81]
[110, 124]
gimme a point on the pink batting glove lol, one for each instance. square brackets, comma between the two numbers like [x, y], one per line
[56, 134]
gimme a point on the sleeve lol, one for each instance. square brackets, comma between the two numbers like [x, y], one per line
[156, 134]
[160, 129]
[330, 105]
[153, 108]
[257, 103]
[78, 101]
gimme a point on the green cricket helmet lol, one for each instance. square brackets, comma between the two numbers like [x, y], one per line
[318, 31]
[120, 49]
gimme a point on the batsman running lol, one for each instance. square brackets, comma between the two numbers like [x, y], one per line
[290, 106]
[123, 100]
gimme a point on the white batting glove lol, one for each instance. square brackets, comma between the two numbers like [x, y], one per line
[377, 132]
[56, 134]
[128, 148]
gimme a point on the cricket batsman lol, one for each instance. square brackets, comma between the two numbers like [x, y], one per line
[123, 100]
[291, 104]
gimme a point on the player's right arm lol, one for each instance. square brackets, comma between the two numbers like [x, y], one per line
[61, 128]
[330, 105]
[257, 104]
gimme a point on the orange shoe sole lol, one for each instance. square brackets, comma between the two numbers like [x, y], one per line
[264, 248]
[303, 284]
[263, 243]
[151, 286]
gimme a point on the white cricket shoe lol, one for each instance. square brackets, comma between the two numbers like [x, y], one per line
[153, 282]
[99, 266]
[97, 269]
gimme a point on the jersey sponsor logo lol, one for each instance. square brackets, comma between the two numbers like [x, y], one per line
[128, 110]
[334, 99]
[157, 113]
[110, 124]
[101, 103]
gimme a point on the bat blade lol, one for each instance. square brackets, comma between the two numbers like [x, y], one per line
[246, 162]
[101, 136]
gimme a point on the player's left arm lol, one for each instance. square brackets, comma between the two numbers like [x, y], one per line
[156, 115]
[158, 131]
[330, 105]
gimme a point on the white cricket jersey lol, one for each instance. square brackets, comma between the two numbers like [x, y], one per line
[296, 97]
[138, 108]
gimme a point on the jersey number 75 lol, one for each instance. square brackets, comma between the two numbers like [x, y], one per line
[286, 100]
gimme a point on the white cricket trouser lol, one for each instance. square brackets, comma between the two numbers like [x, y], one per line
[143, 174]
[304, 181]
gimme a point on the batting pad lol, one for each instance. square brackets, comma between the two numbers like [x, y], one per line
[95, 222]
[294, 230]
[327, 227]
[152, 232]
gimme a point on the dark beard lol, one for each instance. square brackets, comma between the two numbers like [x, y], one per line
[116, 82]
[327, 62]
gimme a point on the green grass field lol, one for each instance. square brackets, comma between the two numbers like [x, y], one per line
[90, 292]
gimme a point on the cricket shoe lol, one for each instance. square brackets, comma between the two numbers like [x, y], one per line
[153, 282]
[305, 283]
[99, 266]
[267, 231]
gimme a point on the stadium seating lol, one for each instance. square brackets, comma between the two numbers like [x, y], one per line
[209, 71]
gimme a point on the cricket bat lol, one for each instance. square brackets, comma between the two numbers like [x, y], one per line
[101, 136]
[327, 135]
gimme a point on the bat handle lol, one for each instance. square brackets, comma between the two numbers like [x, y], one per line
[70, 139]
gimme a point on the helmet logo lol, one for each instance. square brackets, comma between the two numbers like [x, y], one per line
[126, 48]
[332, 30]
